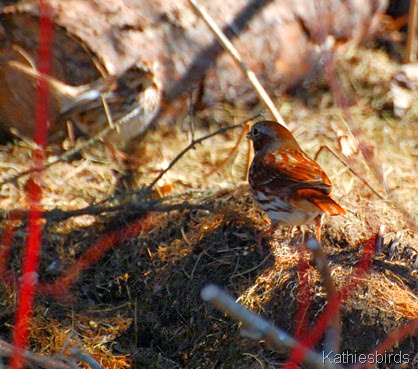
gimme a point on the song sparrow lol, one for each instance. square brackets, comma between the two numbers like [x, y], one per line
[133, 96]
[287, 184]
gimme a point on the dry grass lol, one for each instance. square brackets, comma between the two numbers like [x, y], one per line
[139, 306]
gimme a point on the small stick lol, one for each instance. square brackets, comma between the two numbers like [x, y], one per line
[191, 114]
[411, 45]
[85, 358]
[392, 339]
[191, 146]
[333, 152]
[57, 215]
[333, 334]
[70, 132]
[30, 143]
[68, 154]
[340, 99]
[260, 328]
[107, 111]
[6, 349]
[379, 239]
[249, 74]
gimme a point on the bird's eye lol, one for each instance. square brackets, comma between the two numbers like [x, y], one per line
[255, 131]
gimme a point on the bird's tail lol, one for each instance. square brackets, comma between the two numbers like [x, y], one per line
[322, 201]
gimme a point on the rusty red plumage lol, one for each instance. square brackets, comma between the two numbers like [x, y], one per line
[287, 184]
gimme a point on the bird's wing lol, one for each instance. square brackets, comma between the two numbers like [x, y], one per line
[289, 169]
[88, 100]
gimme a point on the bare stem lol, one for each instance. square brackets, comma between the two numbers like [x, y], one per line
[192, 145]
[68, 154]
[350, 168]
[341, 101]
[261, 329]
[249, 74]
[85, 358]
[191, 114]
[8, 350]
[57, 215]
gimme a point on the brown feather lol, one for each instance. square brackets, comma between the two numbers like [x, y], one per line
[321, 200]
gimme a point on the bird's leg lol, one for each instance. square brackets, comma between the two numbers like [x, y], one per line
[318, 225]
[260, 237]
[303, 230]
[71, 134]
[294, 230]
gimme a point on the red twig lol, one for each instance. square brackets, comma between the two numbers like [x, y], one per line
[303, 300]
[361, 269]
[394, 337]
[30, 265]
[302, 306]
[61, 286]
[36, 360]
[332, 308]
[302, 310]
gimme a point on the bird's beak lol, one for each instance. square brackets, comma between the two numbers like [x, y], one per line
[249, 136]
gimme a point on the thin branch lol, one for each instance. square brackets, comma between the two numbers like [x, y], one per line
[107, 111]
[248, 159]
[379, 240]
[85, 358]
[24, 54]
[260, 328]
[350, 168]
[57, 215]
[137, 207]
[8, 350]
[68, 154]
[329, 67]
[142, 193]
[303, 295]
[191, 146]
[191, 114]
[392, 339]
[249, 74]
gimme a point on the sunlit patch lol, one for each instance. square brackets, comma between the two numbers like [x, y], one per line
[164, 164]
[164, 187]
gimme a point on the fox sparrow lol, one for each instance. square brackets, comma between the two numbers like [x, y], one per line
[287, 184]
[132, 97]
